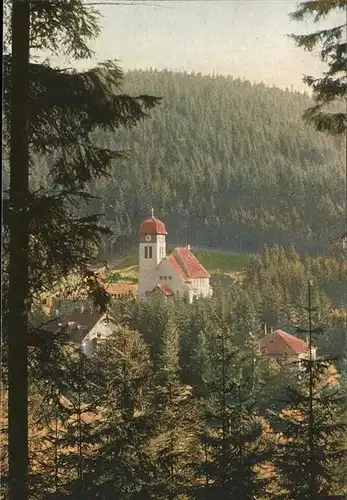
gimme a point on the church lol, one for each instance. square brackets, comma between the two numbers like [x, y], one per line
[177, 274]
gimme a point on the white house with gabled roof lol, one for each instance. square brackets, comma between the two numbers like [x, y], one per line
[177, 274]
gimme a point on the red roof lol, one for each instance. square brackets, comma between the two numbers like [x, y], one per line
[279, 343]
[186, 264]
[152, 226]
[165, 289]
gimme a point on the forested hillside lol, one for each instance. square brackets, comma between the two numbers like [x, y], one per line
[226, 164]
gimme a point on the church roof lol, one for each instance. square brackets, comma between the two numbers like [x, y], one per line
[186, 264]
[152, 226]
[279, 342]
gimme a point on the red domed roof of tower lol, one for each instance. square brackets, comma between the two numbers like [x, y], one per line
[152, 226]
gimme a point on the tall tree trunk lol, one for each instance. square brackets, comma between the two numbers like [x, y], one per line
[18, 256]
[312, 492]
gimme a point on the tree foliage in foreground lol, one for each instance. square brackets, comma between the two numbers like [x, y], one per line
[156, 416]
[331, 88]
[65, 108]
[311, 449]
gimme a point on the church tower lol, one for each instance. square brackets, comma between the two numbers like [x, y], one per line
[152, 249]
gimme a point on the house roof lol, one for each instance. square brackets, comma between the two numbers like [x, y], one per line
[81, 322]
[186, 264]
[279, 342]
[152, 226]
[78, 324]
[165, 290]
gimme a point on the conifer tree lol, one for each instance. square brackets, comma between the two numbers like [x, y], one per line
[233, 440]
[117, 457]
[47, 240]
[18, 246]
[176, 447]
[196, 329]
[311, 442]
[331, 88]
[153, 318]
[62, 416]
[176, 421]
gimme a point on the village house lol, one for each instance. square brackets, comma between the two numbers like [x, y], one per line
[84, 327]
[177, 274]
[281, 346]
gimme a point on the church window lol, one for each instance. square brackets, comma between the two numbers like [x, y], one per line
[148, 252]
[170, 277]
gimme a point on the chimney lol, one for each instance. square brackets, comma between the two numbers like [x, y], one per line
[188, 246]
[265, 329]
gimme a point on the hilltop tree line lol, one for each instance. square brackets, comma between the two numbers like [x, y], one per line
[225, 163]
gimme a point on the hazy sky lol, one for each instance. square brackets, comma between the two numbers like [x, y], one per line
[243, 38]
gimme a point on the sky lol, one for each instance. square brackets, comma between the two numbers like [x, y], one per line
[246, 39]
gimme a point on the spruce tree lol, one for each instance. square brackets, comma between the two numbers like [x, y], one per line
[311, 442]
[176, 420]
[176, 447]
[233, 439]
[18, 246]
[331, 87]
[47, 240]
[117, 458]
[62, 415]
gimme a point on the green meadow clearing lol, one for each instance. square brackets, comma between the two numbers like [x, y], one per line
[216, 262]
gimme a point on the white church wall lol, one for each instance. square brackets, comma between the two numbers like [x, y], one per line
[173, 280]
[147, 268]
[147, 282]
[202, 287]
